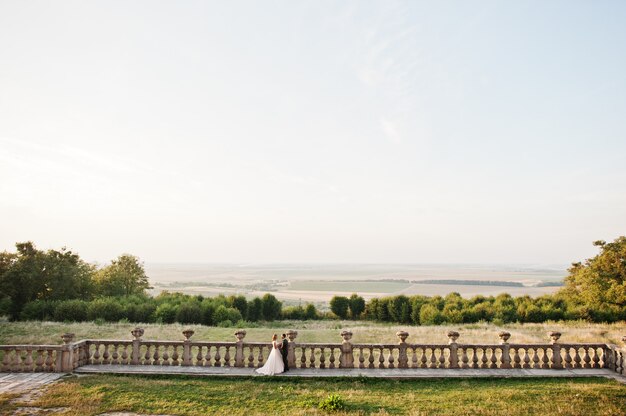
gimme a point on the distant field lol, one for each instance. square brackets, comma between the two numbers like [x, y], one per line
[296, 283]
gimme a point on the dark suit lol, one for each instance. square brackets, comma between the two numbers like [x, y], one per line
[284, 350]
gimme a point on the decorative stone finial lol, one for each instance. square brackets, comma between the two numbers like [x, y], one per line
[137, 333]
[67, 337]
[291, 335]
[346, 335]
[453, 335]
[240, 334]
[188, 333]
[555, 336]
[504, 337]
[402, 335]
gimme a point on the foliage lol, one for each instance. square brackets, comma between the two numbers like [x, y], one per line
[339, 306]
[107, 309]
[332, 403]
[357, 306]
[74, 310]
[123, 277]
[271, 307]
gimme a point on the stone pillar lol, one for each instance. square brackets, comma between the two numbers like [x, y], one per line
[556, 350]
[137, 333]
[403, 359]
[454, 349]
[506, 349]
[187, 333]
[239, 360]
[65, 359]
[291, 348]
[347, 359]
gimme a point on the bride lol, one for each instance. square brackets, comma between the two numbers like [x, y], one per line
[274, 363]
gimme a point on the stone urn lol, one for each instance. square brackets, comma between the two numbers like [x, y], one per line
[188, 333]
[137, 333]
[504, 337]
[291, 335]
[240, 334]
[453, 336]
[67, 338]
[402, 335]
[555, 336]
[346, 335]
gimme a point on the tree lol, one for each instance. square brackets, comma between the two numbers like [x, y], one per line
[357, 306]
[271, 307]
[124, 276]
[240, 303]
[310, 312]
[599, 284]
[255, 309]
[400, 309]
[339, 306]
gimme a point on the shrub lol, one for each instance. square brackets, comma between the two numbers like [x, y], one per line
[430, 315]
[107, 309]
[339, 305]
[332, 403]
[223, 313]
[189, 313]
[39, 310]
[71, 310]
[271, 307]
[310, 312]
[165, 313]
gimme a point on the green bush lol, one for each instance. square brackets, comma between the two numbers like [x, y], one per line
[106, 308]
[39, 310]
[332, 403]
[189, 313]
[71, 310]
[165, 313]
[223, 313]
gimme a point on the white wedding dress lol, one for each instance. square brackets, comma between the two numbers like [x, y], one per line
[274, 363]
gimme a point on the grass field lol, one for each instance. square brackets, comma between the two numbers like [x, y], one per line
[348, 286]
[93, 395]
[316, 331]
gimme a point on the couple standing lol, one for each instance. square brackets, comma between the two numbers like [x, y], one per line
[277, 361]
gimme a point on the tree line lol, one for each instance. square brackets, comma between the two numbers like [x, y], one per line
[58, 285]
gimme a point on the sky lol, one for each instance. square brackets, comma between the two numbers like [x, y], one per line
[314, 131]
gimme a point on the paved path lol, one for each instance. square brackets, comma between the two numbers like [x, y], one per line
[356, 372]
[13, 383]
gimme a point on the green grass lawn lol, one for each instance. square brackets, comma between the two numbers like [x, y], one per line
[92, 395]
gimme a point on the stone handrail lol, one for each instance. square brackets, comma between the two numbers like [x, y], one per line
[453, 355]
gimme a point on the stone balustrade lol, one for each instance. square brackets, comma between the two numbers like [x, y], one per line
[345, 354]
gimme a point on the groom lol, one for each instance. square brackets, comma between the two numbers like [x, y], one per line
[284, 350]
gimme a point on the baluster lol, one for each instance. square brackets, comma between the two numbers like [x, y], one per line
[6, 362]
[414, 358]
[370, 359]
[156, 358]
[332, 358]
[49, 363]
[535, 357]
[217, 357]
[381, 358]
[166, 355]
[28, 362]
[303, 358]
[442, 358]
[199, 362]
[483, 358]
[433, 360]
[175, 355]
[105, 355]
[464, 359]
[586, 359]
[474, 357]
[312, 358]
[38, 361]
[114, 356]
[577, 359]
[526, 359]
[322, 358]
[227, 357]
[596, 358]
[207, 357]
[96, 354]
[251, 358]
[545, 360]
[568, 358]
[17, 361]
[390, 358]
[361, 358]
[146, 357]
[494, 359]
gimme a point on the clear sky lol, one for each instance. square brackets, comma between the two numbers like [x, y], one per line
[314, 131]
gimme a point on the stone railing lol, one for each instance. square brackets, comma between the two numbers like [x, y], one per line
[403, 355]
